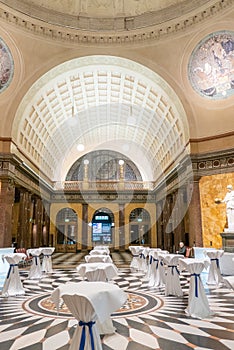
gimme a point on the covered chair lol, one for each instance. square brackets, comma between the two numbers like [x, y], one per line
[86, 336]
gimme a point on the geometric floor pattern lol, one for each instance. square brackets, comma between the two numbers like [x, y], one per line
[162, 324]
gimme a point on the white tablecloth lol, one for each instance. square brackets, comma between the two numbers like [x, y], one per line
[172, 280]
[156, 268]
[227, 264]
[89, 302]
[198, 305]
[98, 258]
[143, 261]
[13, 285]
[35, 271]
[98, 252]
[102, 248]
[97, 271]
[4, 266]
[47, 261]
[214, 275]
[135, 251]
[199, 252]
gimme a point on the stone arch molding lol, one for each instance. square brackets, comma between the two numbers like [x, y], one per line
[102, 102]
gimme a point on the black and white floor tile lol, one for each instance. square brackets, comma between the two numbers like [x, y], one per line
[151, 322]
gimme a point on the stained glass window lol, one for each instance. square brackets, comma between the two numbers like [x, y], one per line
[211, 66]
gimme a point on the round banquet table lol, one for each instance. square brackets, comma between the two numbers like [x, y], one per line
[214, 275]
[91, 303]
[13, 285]
[135, 251]
[47, 261]
[198, 305]
[98, 258]
[97, 271]
[172, 280]
[156, 268]
[35, 271]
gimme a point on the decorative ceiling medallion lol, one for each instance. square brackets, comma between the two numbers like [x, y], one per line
[211, 66]
[6, 66]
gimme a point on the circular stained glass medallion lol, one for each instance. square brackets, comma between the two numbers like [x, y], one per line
[6, 66]
[211, 66]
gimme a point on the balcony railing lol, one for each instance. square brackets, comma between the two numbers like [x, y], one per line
[104, 185]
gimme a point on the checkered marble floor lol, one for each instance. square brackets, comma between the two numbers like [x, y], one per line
[162, 325]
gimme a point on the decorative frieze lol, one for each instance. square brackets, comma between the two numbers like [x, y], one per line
[114, 30]
[211, 164]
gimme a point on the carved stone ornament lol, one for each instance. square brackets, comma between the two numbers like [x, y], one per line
[6, 66]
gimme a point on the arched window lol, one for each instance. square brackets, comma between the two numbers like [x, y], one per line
[66, 230]
[140, 226]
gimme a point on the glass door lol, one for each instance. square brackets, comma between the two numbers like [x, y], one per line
[66, 235]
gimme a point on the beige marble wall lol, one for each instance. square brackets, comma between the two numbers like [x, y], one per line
[214, 215]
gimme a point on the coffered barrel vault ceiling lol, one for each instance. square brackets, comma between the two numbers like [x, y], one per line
[102, 102]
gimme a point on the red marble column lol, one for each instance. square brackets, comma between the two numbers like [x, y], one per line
[194, 211]
[7, 195]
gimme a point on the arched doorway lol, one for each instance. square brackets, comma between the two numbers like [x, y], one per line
[66, 230]
[140, 227]
[102, 227]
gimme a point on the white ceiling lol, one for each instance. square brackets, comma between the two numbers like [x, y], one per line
[103, 102]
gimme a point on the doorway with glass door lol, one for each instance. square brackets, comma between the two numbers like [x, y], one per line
[66, 231]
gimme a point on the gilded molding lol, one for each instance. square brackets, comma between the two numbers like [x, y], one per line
[118, 33]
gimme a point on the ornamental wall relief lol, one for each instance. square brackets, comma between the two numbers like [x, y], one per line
[6, 66]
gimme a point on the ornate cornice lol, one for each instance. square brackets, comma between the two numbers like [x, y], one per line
[112, 31]
[213, 163]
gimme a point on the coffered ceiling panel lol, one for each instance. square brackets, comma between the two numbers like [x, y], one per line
[102, 102]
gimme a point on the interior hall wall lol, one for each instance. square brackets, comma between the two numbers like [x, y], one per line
[214, 215]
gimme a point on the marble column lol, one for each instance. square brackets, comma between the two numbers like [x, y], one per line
[121, 227]
[194, 211]
[7, 195]
[84, 226]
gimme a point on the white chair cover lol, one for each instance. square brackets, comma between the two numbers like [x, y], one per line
[172, 282]
[198, 305]
[97, 271]
[12, 284]
[47, 261]
[35, 271]
[135, 251]
[98, 258]
[214, 275]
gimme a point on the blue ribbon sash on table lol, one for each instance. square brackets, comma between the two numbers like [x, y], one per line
[197, 277]
[11, 268]
[174, 267]
[217, 261]
[82, 341]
